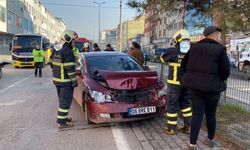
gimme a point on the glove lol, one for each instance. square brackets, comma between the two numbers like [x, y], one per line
[74, 83]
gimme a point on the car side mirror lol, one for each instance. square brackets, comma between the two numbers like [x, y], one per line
[10, 46]
[146, 68]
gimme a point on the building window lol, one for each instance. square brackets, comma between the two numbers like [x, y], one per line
[175, 25]
[11, 18]
[2, 14]
[1, 40]
[18, 21]
[25, 24]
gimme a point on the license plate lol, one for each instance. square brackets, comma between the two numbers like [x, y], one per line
[25, 62]
[141, 110]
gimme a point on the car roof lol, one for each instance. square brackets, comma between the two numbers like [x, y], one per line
[98, 54]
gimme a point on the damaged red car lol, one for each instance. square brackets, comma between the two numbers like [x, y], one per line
[113, 87]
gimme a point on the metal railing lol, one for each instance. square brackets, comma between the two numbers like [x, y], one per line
[234, 111]
[233, 117]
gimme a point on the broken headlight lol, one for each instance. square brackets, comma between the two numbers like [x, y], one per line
[100, 97]
[162, 92]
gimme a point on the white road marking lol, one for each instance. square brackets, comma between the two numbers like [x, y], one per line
[120, 139]
[15, 84]
[12, 103]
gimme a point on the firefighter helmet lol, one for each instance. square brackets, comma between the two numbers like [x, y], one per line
[181, 35]
[69, 35]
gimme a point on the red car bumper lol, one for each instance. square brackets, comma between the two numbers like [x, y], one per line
[118, 111]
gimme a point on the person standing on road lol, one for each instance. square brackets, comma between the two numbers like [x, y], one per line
[206, 68]
[64, 76]
[96, 48]
[85, 47]
[178, 96]
[109, 48]
[136, 52]
[38, 54]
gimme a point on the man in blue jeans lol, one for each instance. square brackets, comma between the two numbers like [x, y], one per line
[206, 67]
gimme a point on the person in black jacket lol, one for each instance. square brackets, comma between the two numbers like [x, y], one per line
[64, 76]
[206, 68]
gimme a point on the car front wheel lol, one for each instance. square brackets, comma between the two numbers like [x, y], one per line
[86, 111]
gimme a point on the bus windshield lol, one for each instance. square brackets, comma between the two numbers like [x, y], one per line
[26, 42]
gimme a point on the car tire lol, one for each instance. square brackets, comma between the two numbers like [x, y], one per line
[246, 72]
[86, 112]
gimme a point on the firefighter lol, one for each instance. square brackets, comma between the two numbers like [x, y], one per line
[38, 54]
[178, 97]
[64, 76]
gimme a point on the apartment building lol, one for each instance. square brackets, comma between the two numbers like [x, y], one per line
[27, 16]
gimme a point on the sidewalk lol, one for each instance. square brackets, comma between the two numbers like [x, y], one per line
[151, 135]
[5, 58]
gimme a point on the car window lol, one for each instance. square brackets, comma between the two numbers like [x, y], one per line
[113, 63]
[247, 47]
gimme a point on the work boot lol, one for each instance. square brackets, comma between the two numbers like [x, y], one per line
[69, 121]
[193, 147]
[184, 129]
[68, 124]
[170, 131]
[211, 143]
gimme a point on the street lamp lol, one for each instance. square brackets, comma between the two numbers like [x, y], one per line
[99, 18]
[120, 38]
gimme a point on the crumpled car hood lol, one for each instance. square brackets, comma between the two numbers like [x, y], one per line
[130, 80]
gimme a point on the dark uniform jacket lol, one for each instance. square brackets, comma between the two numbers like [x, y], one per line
[173, 57]
[206, 67]
[63, 65]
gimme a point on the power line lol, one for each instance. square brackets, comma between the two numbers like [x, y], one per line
[85, 6]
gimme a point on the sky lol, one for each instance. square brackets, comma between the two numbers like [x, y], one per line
[84, 19]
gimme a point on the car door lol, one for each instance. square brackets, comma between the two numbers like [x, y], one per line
[80, 71]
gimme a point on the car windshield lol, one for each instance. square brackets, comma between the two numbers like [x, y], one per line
[246, 47]
[113, 63]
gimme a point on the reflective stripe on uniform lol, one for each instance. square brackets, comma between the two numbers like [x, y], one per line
[62, 117]
[172, 122]
[186, 110]
[61, 80]
[73, 79]
[62, 73]
[68, 64]
[172, 115]
[73, 73]
[174, 81]
[63, 64]
[161, 59]
[63, 110]
[187, 114]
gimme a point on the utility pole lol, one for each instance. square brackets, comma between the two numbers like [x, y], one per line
[120, 38]
[99, 19]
